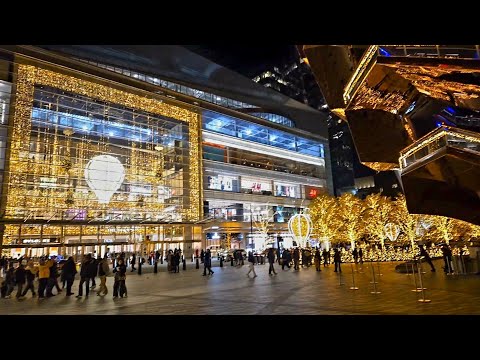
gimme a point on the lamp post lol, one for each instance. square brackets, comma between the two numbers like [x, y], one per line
[251, 222]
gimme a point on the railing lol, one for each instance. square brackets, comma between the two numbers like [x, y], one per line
[437, 139]
[431, 51]
[366, 64]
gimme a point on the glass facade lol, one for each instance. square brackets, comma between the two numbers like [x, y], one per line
[85, 153]
[228, 125]
[199, 94]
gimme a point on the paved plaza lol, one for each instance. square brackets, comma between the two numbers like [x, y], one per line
[304, 292]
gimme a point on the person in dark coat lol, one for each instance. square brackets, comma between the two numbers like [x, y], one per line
[30, 273]
[52, 280]
[326, 257]
[447, 258]
[207, 263]
[337, 259]
[176, 261]
[69, 270]
[20, 278]
[202, 256]
[134, 260]
[360, 255]
[119, 286]
[93, 272]
[85, 275]
[271, 261]
[355, 255]
[296, 259]
[425, 254]
[10, 280]
[317, 260]
[286, 259]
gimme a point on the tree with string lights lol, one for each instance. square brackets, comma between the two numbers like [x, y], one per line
[323, 213]
[446, 229]
[350, 210]
[377, 213]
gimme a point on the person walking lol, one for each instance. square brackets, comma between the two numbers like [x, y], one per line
[69, 270]
[251, 264]
[337, 259]
[93, 270]
[326, 257]
[20, 278]
[85, 276]
[355, 255]
[271, 261]
[360, 256]
[52, 279]
[43, 275]
[286, 256]
[133, 261]
[207, 263]
[119, 286]
[296, 259]
[447, 258]
[317, 260]
[425, 254]
[30, 272]
[103, 272]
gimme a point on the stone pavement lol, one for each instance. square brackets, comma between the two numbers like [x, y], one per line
[305, 292]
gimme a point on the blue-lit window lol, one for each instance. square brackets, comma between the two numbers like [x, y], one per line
[242, 129]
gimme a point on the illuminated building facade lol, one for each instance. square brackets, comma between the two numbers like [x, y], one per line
[101, 158]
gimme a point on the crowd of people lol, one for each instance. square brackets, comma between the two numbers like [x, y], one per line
[22, 272]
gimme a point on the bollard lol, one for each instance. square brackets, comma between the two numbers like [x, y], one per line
[374, 282]
[416, 289]
[197, 265]
[422, 300]
[353, 287]
[378, 269]
[161, 259]
[221, 261]
[140, 267]
[155, 267]
[340, 278]
[231, 260]
[184, 267]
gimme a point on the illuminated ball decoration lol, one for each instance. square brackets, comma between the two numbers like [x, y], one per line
[104, 175]
[300, 227]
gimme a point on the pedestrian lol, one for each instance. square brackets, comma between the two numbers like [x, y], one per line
[355, 255]
[251, 264]
[271, 261]
[326, 257]
[202, 256]
[119, 286]
[69, 270]
[103, 272]
[93, 272]
[425, 254]
[133, 261]
[10, 280]
[317, 260]
[447, 258]
[337, 259]
[207, 263]
[360, 256]
[20, 278]
[52, 279]
[85, 276]
[286, 259]
[296, 259]
[43, 275]
[30, 272]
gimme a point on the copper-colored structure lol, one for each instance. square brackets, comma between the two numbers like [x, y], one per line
[395, 99]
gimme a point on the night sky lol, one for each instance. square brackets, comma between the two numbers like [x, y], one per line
[248, 60]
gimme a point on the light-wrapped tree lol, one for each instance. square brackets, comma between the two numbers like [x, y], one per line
[446, 229]
[376, 214]
[350, 210]
[324, 215]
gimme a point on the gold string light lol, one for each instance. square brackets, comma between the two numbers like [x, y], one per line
[21, 198]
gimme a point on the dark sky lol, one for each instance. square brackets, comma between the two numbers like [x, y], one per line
[248, 60]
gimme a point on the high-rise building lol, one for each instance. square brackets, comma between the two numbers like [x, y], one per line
[120, 148]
